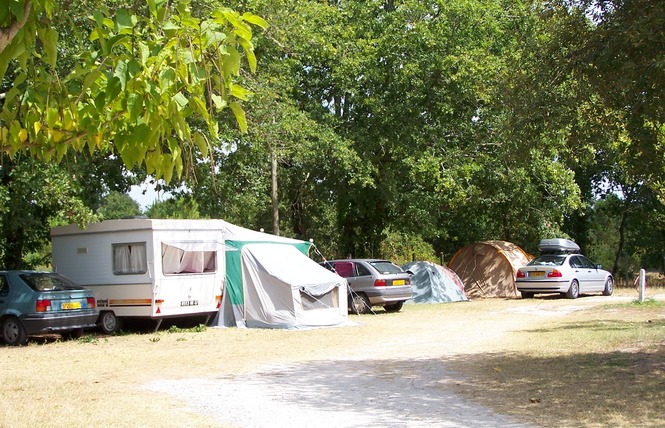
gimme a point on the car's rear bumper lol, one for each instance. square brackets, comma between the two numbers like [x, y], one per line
[383, 295]
[54, 323]
[539, 286]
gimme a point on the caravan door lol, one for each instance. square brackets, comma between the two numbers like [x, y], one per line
[190, 281]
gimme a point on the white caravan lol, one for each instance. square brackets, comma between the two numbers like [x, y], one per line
[145, 268]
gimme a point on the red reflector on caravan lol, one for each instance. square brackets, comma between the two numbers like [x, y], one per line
[158, 311]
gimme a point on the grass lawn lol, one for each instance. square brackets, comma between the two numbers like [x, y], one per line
[591, 362]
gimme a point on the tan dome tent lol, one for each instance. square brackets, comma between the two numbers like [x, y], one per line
[488, 268]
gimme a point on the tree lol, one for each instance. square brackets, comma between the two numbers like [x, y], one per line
[587, 85]
[178, 207]
[313, 161]
[148, 71]
[34, 196]
[621, 55]
[118, 205]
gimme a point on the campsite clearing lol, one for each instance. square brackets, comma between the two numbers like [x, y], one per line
[596, 361]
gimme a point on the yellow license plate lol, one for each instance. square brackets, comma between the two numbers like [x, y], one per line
[536, 273]
[71, 305]
[398, 282]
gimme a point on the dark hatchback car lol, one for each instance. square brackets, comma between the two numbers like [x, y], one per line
[373, 282]
[33, 302]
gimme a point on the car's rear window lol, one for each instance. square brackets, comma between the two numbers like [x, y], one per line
[386, 267]
[547, 260]
[48, 282]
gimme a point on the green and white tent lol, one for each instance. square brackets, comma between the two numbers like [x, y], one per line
[272, 283]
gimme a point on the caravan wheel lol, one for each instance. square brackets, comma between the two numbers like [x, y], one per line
[108, 322]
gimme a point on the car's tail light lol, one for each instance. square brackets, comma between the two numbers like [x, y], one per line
[379, 282]
[43, 305]
[520, 274]
[91, 302]
[554, 274]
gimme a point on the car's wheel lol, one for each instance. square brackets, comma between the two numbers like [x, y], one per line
[359, 304]
[108, 322]
[527, 294]
[395, 307]
[609, 287]
[574, 290]
[13, 332]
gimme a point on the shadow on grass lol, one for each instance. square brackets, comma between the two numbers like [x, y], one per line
[583, 390]
[603, 325]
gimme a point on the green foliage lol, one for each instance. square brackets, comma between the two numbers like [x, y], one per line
[604, 234]
[182, 207]
[118, 205]
[200, 328]
[398, 127]
[401, 248]
[34, 196]
[147, 71]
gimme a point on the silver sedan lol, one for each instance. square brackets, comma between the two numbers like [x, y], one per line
[568, 274]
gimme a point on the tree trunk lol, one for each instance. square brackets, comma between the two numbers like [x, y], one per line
[13, 257]
[275, 200]
[622, 231]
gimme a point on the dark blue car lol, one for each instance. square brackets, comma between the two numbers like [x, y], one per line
[33, 302]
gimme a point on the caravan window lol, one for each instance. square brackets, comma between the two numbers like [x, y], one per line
[129, 258]
[187, 259]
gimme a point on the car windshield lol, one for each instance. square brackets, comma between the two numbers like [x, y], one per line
[548, 260]
[386, 267]
[48, 282]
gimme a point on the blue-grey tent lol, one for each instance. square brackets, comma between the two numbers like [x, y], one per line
[433, 283]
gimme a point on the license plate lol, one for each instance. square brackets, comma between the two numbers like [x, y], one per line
[71, 305]
[398, 282]
[536, 273]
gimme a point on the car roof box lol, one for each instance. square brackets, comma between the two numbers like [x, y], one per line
[558, 246]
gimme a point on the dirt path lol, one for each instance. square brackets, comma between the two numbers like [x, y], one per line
[402, 377]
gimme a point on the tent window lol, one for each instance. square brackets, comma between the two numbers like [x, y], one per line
[129, 259]
[329, 300]
[176, 261]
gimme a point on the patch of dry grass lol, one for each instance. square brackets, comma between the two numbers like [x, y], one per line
[593, 368]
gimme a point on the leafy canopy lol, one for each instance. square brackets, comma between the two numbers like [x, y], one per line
[148, 72]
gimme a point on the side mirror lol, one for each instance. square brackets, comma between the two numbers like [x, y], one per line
[599, 266]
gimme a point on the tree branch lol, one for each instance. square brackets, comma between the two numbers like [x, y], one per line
[8, 34]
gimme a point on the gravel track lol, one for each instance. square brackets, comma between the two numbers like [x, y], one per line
[413, 387]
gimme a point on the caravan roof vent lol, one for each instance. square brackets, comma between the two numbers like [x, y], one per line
[558, 246]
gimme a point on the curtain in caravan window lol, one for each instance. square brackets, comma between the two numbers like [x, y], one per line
[171, 257]
[209, 260]
[129, 259]
[179, 261]
[192, 261]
